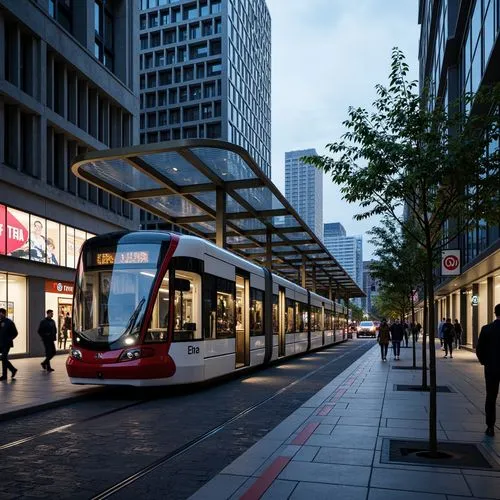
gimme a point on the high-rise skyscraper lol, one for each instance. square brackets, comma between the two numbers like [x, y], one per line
[348, 250]
[68, 85]
[205, 72]
[304, 189]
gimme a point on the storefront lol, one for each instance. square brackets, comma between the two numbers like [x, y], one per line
[470, 297]
[59, 298]
[37, 261]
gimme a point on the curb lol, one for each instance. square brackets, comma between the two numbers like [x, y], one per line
[30, 410]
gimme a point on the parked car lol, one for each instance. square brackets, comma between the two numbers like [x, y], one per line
[367, 329]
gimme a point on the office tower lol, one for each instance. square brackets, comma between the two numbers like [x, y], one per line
[459, 53]
[370, 287]
[304, 189]
[348, 250]
[205, 72]
[68, 84]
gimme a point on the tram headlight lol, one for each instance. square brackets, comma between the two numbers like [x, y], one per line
[76, 353]
[136, 353]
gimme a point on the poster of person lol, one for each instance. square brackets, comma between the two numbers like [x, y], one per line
[38, 241]
[53, 247]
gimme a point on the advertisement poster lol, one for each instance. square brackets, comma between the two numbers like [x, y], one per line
[2, 229]
[17, 233]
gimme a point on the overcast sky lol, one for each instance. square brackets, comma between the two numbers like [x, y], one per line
[328, 55]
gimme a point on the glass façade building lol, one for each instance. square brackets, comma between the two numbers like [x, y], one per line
[68, 85]
[205, 72]
[460, 52]
[304, 189]
[348, 250]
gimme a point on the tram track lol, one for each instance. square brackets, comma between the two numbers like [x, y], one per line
[181, 450]
[65, 427]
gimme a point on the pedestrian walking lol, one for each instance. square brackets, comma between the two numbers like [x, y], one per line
[397, 334]
[48, 333]
[406, 332]
[440, 332]
[419, 327]
[488, 353]
[8, 332]
[448, 337]
[383, 338]
[458, 334]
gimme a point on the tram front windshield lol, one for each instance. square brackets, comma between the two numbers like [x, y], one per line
[113, 288]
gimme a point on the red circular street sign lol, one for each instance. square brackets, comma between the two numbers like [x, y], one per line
[451, 262]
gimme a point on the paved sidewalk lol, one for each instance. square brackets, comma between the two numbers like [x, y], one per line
[34, 389]
[334, 445]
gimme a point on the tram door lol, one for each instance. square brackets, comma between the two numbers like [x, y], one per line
[242, 322]
[282, 324]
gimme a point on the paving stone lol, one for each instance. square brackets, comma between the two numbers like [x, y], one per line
[306, 491]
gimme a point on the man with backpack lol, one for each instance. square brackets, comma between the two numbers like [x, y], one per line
[48, 332]
[8, 332]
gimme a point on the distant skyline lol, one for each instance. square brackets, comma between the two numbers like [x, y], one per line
[328, 55]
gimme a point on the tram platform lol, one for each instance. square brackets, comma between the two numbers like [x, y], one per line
[33, 389]
[344, 441]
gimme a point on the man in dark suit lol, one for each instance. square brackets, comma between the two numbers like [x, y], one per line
[48, 332]
[488, 353]
[8, 332]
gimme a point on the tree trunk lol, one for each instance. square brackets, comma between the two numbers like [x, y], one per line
[413, 330]
[425, 329]
[432, 356]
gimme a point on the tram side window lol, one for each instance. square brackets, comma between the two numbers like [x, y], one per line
[219, 307]
[302, 317]
[315, 318]
[256, 310]
[276, 324]
[186, 306]
[328, 319]
[290, 316]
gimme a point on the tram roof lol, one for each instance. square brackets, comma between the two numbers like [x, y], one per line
[179, 180]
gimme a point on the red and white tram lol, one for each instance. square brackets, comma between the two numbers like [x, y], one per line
[156, 308]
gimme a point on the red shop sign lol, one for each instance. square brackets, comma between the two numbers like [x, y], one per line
[2, 229]
[17, 234]
[62, 287]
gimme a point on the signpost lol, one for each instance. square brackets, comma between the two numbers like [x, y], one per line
[450, 263]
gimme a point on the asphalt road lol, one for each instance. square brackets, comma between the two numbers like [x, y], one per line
[83, 449]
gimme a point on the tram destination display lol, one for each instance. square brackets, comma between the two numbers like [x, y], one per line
[121, 257]
[112, 256]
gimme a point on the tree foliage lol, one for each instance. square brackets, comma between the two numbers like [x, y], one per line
[425, 164]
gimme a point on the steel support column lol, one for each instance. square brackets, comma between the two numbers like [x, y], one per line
[269, 249]
[220, 218]
[303, 272]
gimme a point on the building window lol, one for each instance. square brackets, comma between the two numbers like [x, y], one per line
[62, 12]
[103, 24]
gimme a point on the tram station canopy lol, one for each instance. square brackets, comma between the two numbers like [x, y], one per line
[215, 190]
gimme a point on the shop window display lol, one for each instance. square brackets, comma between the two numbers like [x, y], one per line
[13, 299]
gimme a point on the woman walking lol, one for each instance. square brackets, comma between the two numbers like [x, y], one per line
[384, 337]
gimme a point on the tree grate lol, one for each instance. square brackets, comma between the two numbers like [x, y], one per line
[456, 455]
[406, 368]
[418, 388]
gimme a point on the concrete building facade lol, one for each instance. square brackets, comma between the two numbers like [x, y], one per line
[459, 53]
[205, 72]
[370, 287]
[68, 84]
[304, 189]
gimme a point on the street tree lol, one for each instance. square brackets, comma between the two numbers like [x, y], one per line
[426, 164]
[399, 268]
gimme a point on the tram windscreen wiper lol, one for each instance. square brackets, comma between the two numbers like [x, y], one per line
[133, 317]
